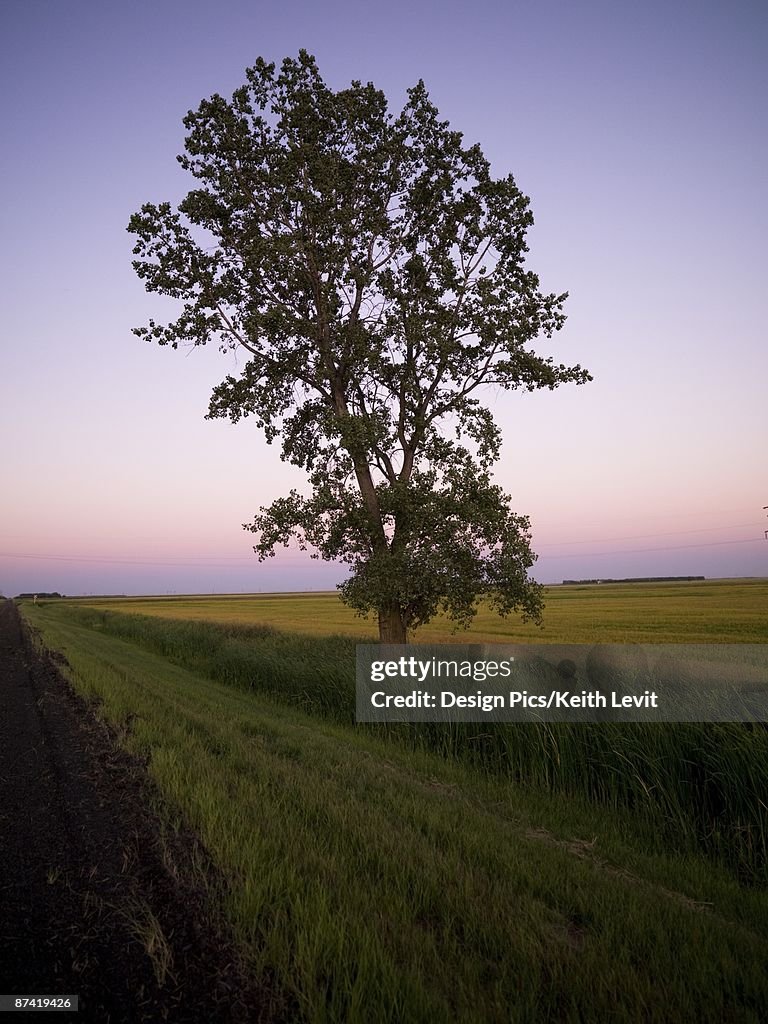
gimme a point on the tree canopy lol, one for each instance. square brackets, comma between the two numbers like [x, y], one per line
[374, 272]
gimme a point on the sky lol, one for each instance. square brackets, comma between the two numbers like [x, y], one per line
[638, 131]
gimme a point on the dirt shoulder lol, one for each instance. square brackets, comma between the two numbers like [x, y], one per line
[96, 897]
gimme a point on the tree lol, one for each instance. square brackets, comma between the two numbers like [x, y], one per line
[373, 270]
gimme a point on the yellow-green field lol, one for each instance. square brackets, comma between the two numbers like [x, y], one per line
[713, 611]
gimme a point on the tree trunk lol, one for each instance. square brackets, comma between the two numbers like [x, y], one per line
[391, 625]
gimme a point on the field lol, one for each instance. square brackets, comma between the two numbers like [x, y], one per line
[430, 873]
[716, 611]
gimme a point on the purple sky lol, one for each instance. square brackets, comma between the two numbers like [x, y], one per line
[637, 130]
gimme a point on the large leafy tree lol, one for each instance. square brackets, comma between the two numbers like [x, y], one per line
[373, 270]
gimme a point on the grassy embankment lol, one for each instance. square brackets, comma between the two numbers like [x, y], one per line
[369, 881]
[699, 787]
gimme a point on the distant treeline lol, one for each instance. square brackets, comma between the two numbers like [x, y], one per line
[641, 579]
[38, 595]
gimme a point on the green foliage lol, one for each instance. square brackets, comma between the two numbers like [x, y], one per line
[374, 271]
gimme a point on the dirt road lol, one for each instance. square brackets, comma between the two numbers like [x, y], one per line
[93, 900]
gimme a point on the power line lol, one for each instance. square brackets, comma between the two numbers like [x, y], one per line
[250, 563]
[645, 536]
[641, 551]
[131, 561]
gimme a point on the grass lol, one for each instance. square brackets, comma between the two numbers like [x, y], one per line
[144, 925]
[697, 787]
[374, 883]
[713, 611]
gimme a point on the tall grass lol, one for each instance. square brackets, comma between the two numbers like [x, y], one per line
[700, 786]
